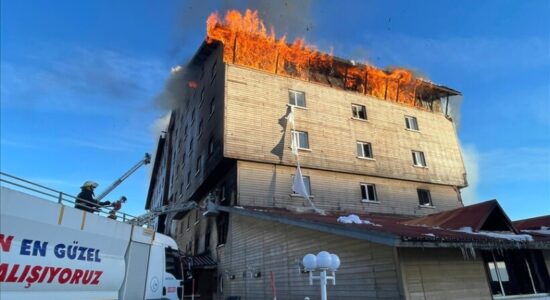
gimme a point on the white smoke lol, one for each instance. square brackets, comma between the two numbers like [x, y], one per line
[471, 159]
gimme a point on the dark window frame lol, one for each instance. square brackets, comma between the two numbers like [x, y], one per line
[361, 153]
[424, 197]
[368, 190]
[359, 112]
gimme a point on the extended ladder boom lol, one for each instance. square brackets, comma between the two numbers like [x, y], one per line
[173, 207]
[144, 161]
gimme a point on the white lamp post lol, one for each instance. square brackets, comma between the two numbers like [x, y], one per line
[323, 261]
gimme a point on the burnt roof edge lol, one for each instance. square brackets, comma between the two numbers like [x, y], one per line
[447, 90]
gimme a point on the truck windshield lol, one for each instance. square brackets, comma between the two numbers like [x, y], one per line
[173, 263]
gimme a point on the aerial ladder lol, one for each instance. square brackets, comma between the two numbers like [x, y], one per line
[144, 161]
[148, 217]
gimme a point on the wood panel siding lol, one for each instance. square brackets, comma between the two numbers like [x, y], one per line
[261, 184]
[367, 270]
[255, 129]
[442, 274]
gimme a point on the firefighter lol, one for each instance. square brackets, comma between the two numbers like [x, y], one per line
[86, 199]
[117, 205]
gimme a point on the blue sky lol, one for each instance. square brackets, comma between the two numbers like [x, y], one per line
[79, 81]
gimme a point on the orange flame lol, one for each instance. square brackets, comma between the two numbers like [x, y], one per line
[247, 42]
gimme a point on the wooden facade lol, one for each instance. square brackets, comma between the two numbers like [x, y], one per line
[262, 184]
[256, 103]
[230, 137]
[442, 274]
[263, 247]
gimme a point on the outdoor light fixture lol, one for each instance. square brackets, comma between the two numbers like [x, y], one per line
[324, 262]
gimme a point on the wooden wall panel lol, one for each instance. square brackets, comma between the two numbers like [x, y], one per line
[256, 104]
[270, 185]
[367, 271]
[442, 274]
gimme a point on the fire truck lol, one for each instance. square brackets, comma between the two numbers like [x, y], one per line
[50, 250]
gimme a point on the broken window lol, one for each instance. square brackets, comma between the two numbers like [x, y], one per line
[198, 168]
[301, 139]
[211, 146]
[212, 105]
[411, 123]
[368, 192]
[222, 222]
[516, 272]
[364, 150]
[424, 197]
[359, 111]
[199, 130]
[296, 98]
[418, 158]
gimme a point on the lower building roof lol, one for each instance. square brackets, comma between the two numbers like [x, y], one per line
[406, 231]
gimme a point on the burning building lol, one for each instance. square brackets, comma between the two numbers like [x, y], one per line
[378, 144]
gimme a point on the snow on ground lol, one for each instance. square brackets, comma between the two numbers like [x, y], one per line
[354, 219]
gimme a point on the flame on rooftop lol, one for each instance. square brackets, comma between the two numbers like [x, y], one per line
[248, 42]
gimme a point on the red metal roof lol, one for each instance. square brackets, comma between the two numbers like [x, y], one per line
[410, 229]
[474, 216]
[533, 223]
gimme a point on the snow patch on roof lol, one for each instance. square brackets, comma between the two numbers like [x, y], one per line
[429, 234]
[507, 236]
[543, 230]
[354, 219]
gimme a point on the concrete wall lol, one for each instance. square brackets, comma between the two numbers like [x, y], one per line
[442, 274]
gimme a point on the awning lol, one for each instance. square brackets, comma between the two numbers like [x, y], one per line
[203, 261]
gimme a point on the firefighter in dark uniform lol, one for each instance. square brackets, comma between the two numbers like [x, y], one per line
[86, 199]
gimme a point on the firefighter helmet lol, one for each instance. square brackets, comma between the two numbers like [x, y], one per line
[90, 184]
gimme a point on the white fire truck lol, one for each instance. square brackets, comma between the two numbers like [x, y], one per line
[49, 250]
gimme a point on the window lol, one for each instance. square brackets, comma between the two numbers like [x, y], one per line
[418, 158]
[359, 111]
[185, 132]
[411, 123]
[190, 146]
[214, 67]
[516, 272]
[368, 192]
[307, 183]
[424, 197]
[500, 267]
[199, 130]
[202, 98]
[296, 98]
[212, 105]
[198, 168]
[301, 140]
[188, 181]
[364, 150]
[213, 79]
[211, 146]
[193, 117]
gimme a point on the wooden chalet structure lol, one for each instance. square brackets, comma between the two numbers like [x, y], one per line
[396, 166]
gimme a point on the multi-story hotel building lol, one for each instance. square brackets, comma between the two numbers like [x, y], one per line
[389, 161]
